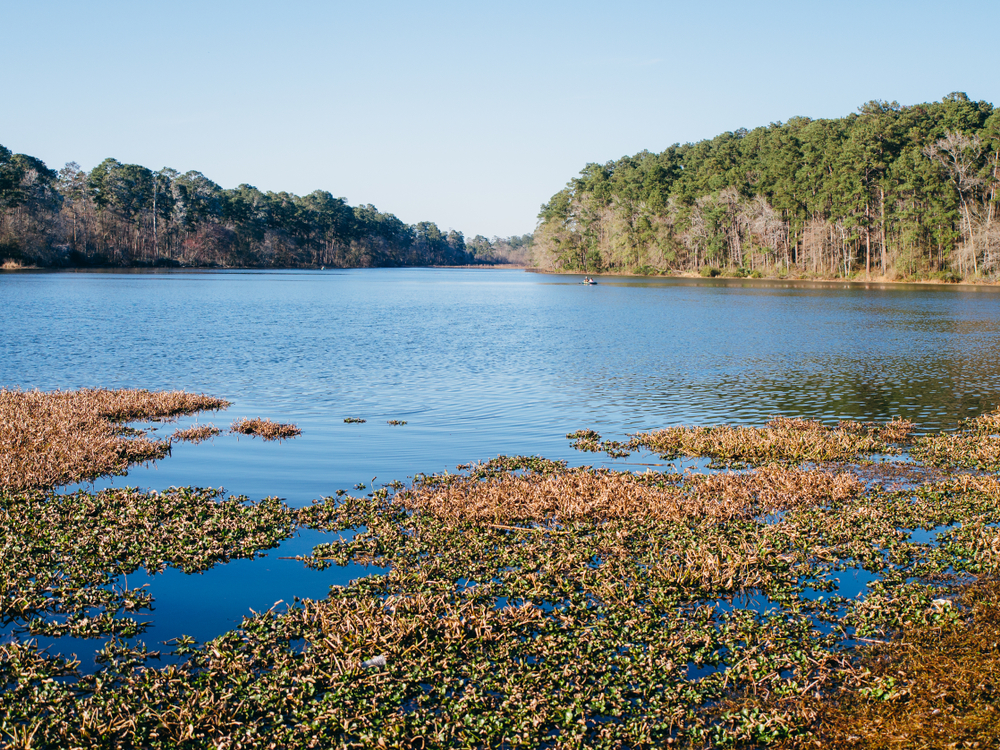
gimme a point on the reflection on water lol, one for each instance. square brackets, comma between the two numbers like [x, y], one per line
[481, 362]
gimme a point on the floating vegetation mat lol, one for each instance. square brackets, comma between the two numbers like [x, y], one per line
[783, 440]
[937, 684]
[976, 445]
[559, 609]
[528, 604]
[61, 437]
[265, 428]
[64, 559]
[197, 433]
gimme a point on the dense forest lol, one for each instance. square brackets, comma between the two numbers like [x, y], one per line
[127, 215]
[891, 191]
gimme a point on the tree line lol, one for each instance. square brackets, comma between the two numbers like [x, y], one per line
[894, 191]
[127, 215]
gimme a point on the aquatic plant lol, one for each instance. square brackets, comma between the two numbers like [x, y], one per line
[590, 441]
[594, 621]
[582, 494]
[498, 466]
[934, 684]
[522, 604]
[783, 439]
[197, 433]
[64, 556]
[975, 445]
[587, 577]
[354, 420]
[60, 437]
[265, 428]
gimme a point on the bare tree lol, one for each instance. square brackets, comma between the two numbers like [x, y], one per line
[959, 156]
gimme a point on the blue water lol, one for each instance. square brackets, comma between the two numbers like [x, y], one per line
[479, 363]
[482, 362]
[204, 605]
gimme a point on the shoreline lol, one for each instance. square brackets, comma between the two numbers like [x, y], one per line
[9, 267]
[681, 275]
[827, 280]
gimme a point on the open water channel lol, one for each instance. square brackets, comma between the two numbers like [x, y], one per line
[478, 363]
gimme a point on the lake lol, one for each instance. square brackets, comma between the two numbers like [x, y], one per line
[478, 362]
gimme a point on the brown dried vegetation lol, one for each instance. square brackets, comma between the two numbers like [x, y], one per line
[197, 433]
[976, 445]
[265, 428]
[588, 495]
[782, 440]
[61, 437]
[935, 685]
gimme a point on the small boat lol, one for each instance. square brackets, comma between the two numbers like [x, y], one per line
[589, 282]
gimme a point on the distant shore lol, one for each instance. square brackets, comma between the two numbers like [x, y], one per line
[688, 275]
[16, 266]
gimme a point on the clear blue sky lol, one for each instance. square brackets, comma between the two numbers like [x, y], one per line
[467, 114]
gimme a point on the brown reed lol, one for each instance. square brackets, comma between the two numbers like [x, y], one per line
[782, 440]
[599, 495]
[265, 428]
[197, 433]
[60, 437]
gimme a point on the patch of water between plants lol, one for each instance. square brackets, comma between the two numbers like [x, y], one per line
[207, 604]
[929, 536]
[851, 584]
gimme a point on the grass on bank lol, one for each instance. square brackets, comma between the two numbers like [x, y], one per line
[791, 274]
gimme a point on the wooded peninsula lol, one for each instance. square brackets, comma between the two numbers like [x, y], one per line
[892, 191]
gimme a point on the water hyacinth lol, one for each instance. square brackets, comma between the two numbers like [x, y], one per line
[63, 555]
[937, 685]
[526, 604]
[976, 445]
[602, 632]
